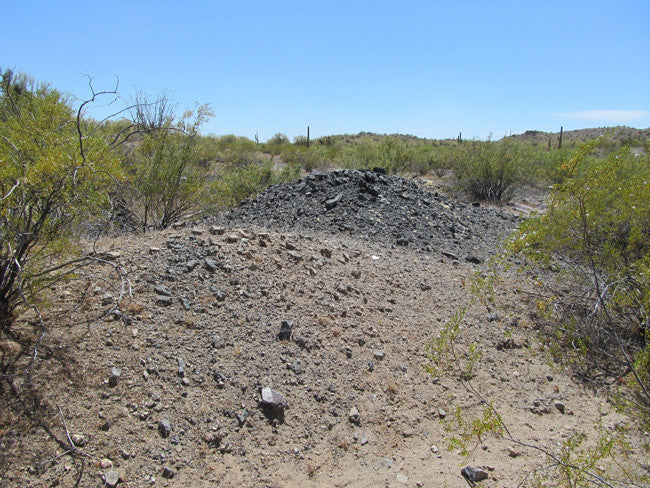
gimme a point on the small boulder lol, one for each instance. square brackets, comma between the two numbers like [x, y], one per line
[473, 475]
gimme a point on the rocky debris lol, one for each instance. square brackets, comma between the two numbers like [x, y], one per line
[114, 377]
[164, 428]
[380, 208]
[508, 344]
[79, 440]
[560, 407]
[164, 301]
[473, 475]
[285, 330]
[111, 478]
[273, 404]
[512, 452]
[168, 473]
[181, 367]
[354, 416]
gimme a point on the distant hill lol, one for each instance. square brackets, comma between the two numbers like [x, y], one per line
[620, 134]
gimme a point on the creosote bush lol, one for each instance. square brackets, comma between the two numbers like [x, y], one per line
[52, 175]
[489, 170]
[596, 236]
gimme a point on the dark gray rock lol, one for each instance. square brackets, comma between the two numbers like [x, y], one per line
[385, 208]
[285, 330]
[164, 428]
[473, 475]
[211, 265]
[181, 367]
[273, 404]
[114, 378]
[162, 290]
[164, 301]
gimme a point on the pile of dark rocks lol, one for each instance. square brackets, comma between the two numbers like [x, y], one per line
[379, 208]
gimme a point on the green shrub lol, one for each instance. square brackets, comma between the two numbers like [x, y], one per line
[237, 184]
[490, 170]
[52, 175]
[596, 232]
[308, 159]
[166, 179]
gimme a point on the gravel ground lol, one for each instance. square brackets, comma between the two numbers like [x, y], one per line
[284, 346]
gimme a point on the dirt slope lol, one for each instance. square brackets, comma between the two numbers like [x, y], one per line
[167, 392]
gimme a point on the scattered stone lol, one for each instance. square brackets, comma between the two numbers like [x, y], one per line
[211, 265]
[105, 463]
[162, 290]
[402, 478]
[295, 255]
[220, 296]
[164, 301]
[331, 203]
[226, 447]
[378, 355]
[114, 377]
[242, 416]
[79, 440]
[273, 403]
[325, 252]
[473, 475]
[512, 452]
[220, 379]
[442, 413]
[449, 255]
[111, 478]
[508, 344]
[164, 428]
[168, 473]
[353, 416]
[218, 342]
[181, 367]
[560, 407]
[434, 449]
[285, 330]
[185, 303]
[296, 368]
[213, 438]
[217, 231]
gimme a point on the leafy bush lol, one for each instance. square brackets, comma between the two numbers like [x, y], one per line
[596, 232]
[279, 138]
[166, 179]
[52, 176]
[237, 184]
[490, 170]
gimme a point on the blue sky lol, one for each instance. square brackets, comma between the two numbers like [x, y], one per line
[428, 68]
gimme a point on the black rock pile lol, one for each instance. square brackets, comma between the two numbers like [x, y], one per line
[373, 206]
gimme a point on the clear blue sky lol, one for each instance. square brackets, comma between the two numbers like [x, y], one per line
[428, 68]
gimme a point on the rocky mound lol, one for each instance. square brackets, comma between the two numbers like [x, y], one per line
[378, 208]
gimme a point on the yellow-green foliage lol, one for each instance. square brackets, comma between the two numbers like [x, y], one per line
[46, 183]
[490, 170]
[598, 222]
[237, 184]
